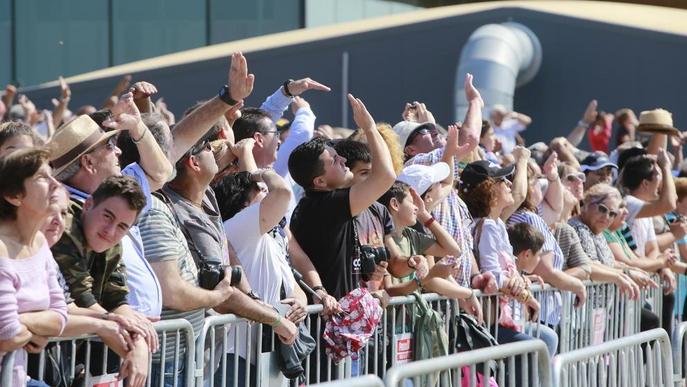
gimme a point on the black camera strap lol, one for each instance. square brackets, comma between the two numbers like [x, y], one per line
[189, 241]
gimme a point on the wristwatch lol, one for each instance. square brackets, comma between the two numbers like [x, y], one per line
[225, 96]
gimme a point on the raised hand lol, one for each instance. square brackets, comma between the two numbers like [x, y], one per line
[298, 102]
[471, 92]
[590, 112]
[520, 153]
[662, 158]
[363, 119]
[419, 203]
[300, 86]
[125, 114]
[240, 81]
[142, 89]
[65, 91]
[550, 168]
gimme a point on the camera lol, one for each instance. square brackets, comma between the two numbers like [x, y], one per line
[210, 273]
[371, 257]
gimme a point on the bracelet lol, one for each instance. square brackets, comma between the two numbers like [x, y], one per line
[418, 282]
[105, 316]
[140, 138]
[582, 123]
[320, 287]
[277, 322]
[286, 87]
[429, 222]
[472, 295]
[252, 295]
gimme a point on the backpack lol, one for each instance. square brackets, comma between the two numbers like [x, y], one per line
[431, 339]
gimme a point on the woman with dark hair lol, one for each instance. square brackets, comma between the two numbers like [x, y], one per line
[487, 192]
[32, 306]
[17, 135]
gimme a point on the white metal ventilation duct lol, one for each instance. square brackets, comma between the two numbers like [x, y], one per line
[501, 57]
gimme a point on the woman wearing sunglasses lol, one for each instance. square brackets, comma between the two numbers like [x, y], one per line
[600, 207]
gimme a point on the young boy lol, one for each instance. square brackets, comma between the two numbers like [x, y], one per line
[527, 243]
[406, 208]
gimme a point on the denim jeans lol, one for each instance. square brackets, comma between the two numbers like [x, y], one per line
[544, 333]
[170, 373]
[35, 383]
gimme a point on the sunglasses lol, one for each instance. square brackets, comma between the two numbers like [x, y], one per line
[206, 146]
[576, 177]
[603, 210]
[419, 132]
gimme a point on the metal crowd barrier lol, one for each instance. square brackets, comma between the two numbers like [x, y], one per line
[362, 381]
[6, 373]
[87, 358]
[643, 359]
[535, 367]
[679, 347]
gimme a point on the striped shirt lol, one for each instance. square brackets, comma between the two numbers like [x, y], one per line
[164, 241]
[573, 253]
[454, 217]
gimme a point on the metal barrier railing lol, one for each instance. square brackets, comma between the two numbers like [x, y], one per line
[607, 315]
[7, 371]
[362, 381]
[679, 347]
[88, 359]
[462, 368]
[638, 360]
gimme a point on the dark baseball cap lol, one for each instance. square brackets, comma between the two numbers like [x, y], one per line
[479, 171]
[596, 161]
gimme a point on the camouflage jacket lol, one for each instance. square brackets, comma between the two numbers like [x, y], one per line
[91, 277]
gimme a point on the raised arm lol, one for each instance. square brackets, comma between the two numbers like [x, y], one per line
[302, 129]
[445, 244]
[577, 134]
[153, 160]
[382, 175]
[274, 206]
[194, 126]
[472, 126]
[142, 92]
[62, 103]
[553, 197]
[668, 198]
[276, 103]
[519, 190]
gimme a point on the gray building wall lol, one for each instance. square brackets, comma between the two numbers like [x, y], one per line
[620, 66]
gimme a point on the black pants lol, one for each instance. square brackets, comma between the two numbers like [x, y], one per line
[667, 313]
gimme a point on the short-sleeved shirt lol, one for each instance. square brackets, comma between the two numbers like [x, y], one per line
[617, 237]
[164, 242]
[642, 229]
[594, 245]
[202, 227]
[323, 225]
[373, 224]
[573, 253]
[264, 259]
[550, 243]
[412, 242]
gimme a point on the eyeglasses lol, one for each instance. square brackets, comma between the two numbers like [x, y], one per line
[576, 177]
[603, 210]
[109, 145]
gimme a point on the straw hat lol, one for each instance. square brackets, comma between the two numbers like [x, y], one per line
[74, 139]
[657, 121]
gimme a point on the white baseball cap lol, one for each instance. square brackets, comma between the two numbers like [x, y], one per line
[421, 177]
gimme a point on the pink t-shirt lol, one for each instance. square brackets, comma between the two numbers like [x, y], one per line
[27, 285]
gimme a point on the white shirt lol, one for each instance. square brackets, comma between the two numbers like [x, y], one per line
[642, 228]
[506, 134]
[263, 260]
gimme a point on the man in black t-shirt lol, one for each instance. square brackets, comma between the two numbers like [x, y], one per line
[323, 221]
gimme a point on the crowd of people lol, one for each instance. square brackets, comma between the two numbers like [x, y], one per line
[114, 217]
